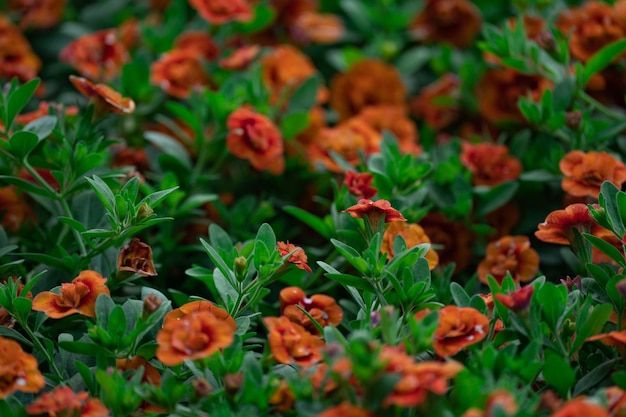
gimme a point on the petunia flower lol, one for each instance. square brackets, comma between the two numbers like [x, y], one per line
[18, 369]
[104, 97]
[136, 257]
[585, 172]
[509, 254]
[78, 296]
[291, 343]
[298, 258]
[373, 211]
[201, 305]
[63, 401]
[458, 328]
[323, 308]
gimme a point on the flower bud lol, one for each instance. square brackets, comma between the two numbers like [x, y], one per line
[145, 211]
[150, 304]
[201, 388]
[573, 118]
[621, 287]
[241, 264]
[233, 382]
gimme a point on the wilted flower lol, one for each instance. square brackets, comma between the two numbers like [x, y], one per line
[136, 257]
[413, 235]
[489, 163]
[179, 72]
[298, 258]
[360, 184]
[438, 103]
[509, 254]
[518, 300]
[98, 56]
[63, 401]
[585, 172]
[18, 369]
[323, 308]
[368, 82]
[104, 97]
[254, 137]
[456, 22]
[218, 12]
[195, 336]
[78, 296]
[459, 328]
[292, 343]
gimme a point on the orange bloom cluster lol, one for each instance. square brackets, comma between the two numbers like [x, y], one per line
[489, 163]
[368, 82]
[17, 59]
[323, 308]
[298, 258]
[284, 69]
[18, 370]
[314, 27]
[585, 172]
[240, 58]
[456, 22]
[198, 306]
[78, 296]
[14, 209]
[63, 401]
[254, 137]
[198, 42]
[592, 26]
[437, 103]
[291, 343]
[413, 235]
[218, 12]
[498, 401]
[458, 328]
[196, 335]
[43, 109]
[500, 89]
[509, 254]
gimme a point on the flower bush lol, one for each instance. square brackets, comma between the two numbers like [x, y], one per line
[312, 208]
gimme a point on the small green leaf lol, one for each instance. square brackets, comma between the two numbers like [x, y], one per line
[103, 192]
[42, 127]
[602, 59]
[352, 281]
[304, 97]
[310, 220]
[459, 295]
[558, 373]
[19, 98]
[293, 124]
[170, 146]
[22, 143]
[606, 248]
[495, 197]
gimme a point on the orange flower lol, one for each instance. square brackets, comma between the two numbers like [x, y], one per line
[98, 56]
[580, 407]
[613, 338]
[458, 328]
[374, 210]
[438, 103]
[241, 58]
[282, 399]
[195, 336]
[368, 82]
[585, 172]
[199, 42]
[489, 163]
[499, 90]
[201, 305]
[44, 110]
[178, 72]
[323, 308]
[454, 237]
[63, 401]
[413, 235]
[14, 209]
[40, 14]
[327, 379]
[349, 140]
[518, 300]
[616, 399]
[456, 22]
[136, 257]
[590, 27]
[291, 343]
[78, 296]
[346, 410]
[499, 402]
[254, 137]
[103, 96]
[416, 379]
[298, 258]
[557, 228]
[6, 320]
[285, 69]
[360, 184]
[150, 374]
[17, 59]
[218, 12]
[509, 254]
[18, 370]
[320, 28]
[395, 120]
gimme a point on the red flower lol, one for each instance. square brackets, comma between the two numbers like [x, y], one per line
[346, 410]
[78, 296]
[373, 211]
[201, 305]
[323, 308]
[198, 42]
[178, 72]
[518, 300]
[103, 96]
[63, 401]
[298, 258]
[291, 343]
[510, 254]
[218, 12]
[585, 172]
[360, 184]
[241, 58]
[579, 407]
[98, 56]
[254, 137]
[557, 228]
[458, 328]
[489, 163]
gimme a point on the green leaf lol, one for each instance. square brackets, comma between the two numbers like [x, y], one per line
[23, 307]
[606, 248]
[495, 197]
[412, 60]
[608, 200]
[304, 97]
[104, 306]
[310, 220]
[81, 348]
[552, 299]
[169, 146]
[558, 373]
[195, 201]
[73, 223]
[352, 281]
[26, 186]
[45, 259]
[563, 94]
[22, 143]
[103, 192]
[154, 199]
[219, 239]
[603, 58]
[293, 124]
[42, 127]
[15, 335]
[263, 16]
[267, 236]
[459, 295]
[592, 326]
[19, 98]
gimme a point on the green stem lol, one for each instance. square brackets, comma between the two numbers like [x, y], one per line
[600, 107]
[43, 350]
[79, 239]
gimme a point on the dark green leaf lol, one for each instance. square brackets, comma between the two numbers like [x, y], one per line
[606, 248]
[22, 143]
[170, 146]
[558, 373]
[352, 281]
[310, 220]
[293, 124]
[42, 127]
[19, 98]
[602, 59]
